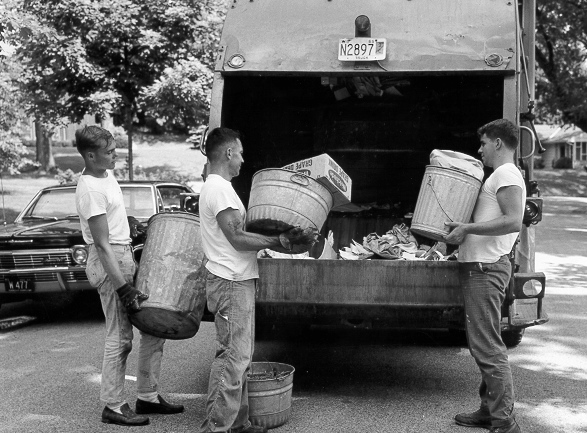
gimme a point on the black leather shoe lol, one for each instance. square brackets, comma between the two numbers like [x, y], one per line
[161, 407]
[127, 417]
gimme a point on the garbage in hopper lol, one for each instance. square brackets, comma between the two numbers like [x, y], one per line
[326, 171]
[397, 244]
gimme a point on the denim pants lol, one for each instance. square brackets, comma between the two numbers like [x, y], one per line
[233, 306]
[484, 286]
[119, 333]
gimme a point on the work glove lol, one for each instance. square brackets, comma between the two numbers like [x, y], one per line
[298, 240]
[131, 298]
[137, 230]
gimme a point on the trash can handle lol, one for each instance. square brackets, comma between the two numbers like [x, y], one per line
[438, 199]
[300, 179]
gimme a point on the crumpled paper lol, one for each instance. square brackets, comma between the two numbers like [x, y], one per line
[270, 254]
[397, 244]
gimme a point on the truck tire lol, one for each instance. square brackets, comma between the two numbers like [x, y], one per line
[512, 337]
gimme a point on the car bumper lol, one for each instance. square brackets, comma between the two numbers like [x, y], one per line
[44, 280]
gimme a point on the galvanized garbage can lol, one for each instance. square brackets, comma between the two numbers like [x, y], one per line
[445, 195]
[172, 272]
[281, 199]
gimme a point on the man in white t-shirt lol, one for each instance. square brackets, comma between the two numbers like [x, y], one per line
[231, 282]
[110, 269]
[485, 271]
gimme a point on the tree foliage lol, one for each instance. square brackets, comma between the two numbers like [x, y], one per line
[103, 54]
[180, 99]
[561, 52]
[14, 26]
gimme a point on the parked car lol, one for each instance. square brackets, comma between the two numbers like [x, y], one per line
[43, 251]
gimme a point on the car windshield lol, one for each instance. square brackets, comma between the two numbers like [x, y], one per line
[139, 201]
[53, 204]
[57, 204]
[171, 196]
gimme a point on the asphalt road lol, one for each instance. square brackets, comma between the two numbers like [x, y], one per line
[359, 381]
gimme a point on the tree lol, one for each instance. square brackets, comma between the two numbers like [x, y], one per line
[103, 53]
[181, 97]
[561, 52]
[14, 26]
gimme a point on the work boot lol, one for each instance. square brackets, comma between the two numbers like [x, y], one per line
[512, 428]
[479, 418]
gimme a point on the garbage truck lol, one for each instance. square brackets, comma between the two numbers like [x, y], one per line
[377, 86]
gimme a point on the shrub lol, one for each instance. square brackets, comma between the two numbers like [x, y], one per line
[539, 163]
[67, 176]
[121, 137]
[564, 162]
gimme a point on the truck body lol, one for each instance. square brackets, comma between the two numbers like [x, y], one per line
[450, 66]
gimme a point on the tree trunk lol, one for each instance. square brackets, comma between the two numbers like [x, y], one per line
[129, 134]
[44, 147]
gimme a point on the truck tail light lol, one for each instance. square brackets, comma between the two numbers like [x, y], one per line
[362, 27]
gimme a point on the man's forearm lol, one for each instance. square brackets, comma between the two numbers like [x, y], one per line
[247, 241]
[502, 225]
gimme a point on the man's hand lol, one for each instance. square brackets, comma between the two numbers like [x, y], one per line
[457, 234]
[298, 240]
[137, 229]
[131, 298]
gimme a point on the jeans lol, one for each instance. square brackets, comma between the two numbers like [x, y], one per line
[484, 286]
[233, 306]
[119, 333]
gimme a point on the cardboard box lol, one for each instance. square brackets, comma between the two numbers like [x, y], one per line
[328, 173]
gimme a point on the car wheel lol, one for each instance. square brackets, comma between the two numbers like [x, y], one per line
[512, 337]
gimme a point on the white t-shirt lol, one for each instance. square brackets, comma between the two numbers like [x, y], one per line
[98, 196]
[225, 261]
[488, 249]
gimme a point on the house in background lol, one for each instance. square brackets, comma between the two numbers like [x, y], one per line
[67, 133]
[562, 141]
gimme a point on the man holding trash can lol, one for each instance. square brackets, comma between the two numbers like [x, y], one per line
[485, 270]
[232, 281]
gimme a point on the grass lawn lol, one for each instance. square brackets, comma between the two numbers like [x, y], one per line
[563, 182]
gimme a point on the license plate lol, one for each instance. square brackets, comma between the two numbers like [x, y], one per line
[13, 283]
[360, 49]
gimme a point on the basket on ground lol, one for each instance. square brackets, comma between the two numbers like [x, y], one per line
[270, 387]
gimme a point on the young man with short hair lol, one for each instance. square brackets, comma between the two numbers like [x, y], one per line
[110, 269]
[485, 271]
[231, 282]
